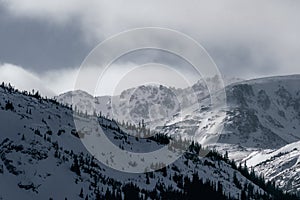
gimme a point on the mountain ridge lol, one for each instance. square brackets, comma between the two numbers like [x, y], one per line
[261, 114]
[42, 157]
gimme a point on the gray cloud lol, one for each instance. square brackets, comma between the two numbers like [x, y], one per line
[245, 38]
[40, 45]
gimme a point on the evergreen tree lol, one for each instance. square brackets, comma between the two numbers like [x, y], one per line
[9, 106]
[81, 193]
[75, 166]
[131, 191]
[147, 179]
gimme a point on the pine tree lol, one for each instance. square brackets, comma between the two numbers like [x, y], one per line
[236, 181]
[9, 106]
[226, 156]
[81, 193]
[147, 179]
[75, 166]
[243, 195]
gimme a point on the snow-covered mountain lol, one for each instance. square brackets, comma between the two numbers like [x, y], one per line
[281, 165]
[42, 157]
[264, 113]
[155, 104]
[150, 103]
[261, 114]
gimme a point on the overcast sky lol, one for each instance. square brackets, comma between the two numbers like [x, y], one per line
[43, 43]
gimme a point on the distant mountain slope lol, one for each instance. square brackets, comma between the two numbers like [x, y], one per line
[264, 112]
[261, 114]
[280, 165]
[155, 104]
[42, 157]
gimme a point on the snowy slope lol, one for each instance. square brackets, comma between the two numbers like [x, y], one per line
[262, 126]
[257, 111]
[39, 146]
[155, 104]
[262, 115]
[150, 103]
[281, 165]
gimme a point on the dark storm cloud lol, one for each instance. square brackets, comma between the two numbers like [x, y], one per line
[266, 31]
[240, 61]
[246, 39]
[40, 45]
